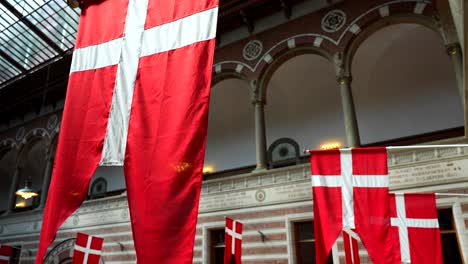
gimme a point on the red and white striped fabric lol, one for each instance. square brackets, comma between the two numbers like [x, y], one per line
[350, 192]
[416, 228]
[138, 94]
[87, 249]
[5, 254]
[233, 242]
[351, 249]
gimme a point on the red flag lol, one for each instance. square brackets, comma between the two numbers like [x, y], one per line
[351, 249]
[138, 95]
[87, 249]
[5, 254]
[416, 228]
[233, 242]
[350, 192]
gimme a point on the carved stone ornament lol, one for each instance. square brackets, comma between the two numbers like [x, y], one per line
[52, 122]
[333, 21]
[252, 50]
[20, 133]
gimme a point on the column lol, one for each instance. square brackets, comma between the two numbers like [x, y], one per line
[260, 136]
[454, 51]
[46, 182]
[351, 127]
[13, 187]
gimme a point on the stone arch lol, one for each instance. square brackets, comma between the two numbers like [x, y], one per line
[283, 56]
[225, 75]
[31, 162]
[402, 62]
[355, 42]
[230, 125]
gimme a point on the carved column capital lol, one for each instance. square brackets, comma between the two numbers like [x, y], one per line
[256, 94]
[453, 49]
[344, 79]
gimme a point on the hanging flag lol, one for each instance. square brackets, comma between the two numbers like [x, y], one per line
[351, 249]
[138, 95]
[233, 242]
[416, 228]
[5, 254]
[87, 249]
[350, 192]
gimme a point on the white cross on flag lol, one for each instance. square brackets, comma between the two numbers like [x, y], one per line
[350, 192]
[233, 242]
[87, 249]
[5, 254]
[138, 95]
[415, 228]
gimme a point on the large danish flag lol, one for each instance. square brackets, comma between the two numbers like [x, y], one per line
[138, 94]
[416, 228]
[233, 242]
[5, 254]
[350, 192]
[87, 249]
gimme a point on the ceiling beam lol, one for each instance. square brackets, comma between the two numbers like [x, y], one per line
[12, 61]
[32, 27]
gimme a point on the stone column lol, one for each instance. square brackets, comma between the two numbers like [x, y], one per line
[260, 135]
[455, 53]
[349, 114]
[13, 187]
[46, 181]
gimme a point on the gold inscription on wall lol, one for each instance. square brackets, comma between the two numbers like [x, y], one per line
[438, 173]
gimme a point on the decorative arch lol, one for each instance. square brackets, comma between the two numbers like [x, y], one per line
[30, 138]
[354, 44]
[393, 12]
[283, 56]
[226, 74]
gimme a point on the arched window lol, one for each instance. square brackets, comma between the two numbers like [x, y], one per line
[31, 168]
[404, 84]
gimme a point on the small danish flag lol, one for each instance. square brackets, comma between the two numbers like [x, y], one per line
[5, 254]
[87, 249]
[416, 228]
[233, 240]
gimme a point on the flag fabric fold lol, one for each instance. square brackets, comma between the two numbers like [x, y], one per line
[351, 249]
[138, 95]
[233, 242]
[350, 192]
[415, 228]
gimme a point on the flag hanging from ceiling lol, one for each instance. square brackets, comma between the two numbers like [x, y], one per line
[233, 242]
[5, 254]
[416, 228]
[138, 95]
[87, 249]
[350, 192]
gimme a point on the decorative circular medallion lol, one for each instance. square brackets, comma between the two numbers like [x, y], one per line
[124, 214]
[52, 122]
[252, 50]
[260, 195]
[333, 21]
[76, 220]
[20, 133]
